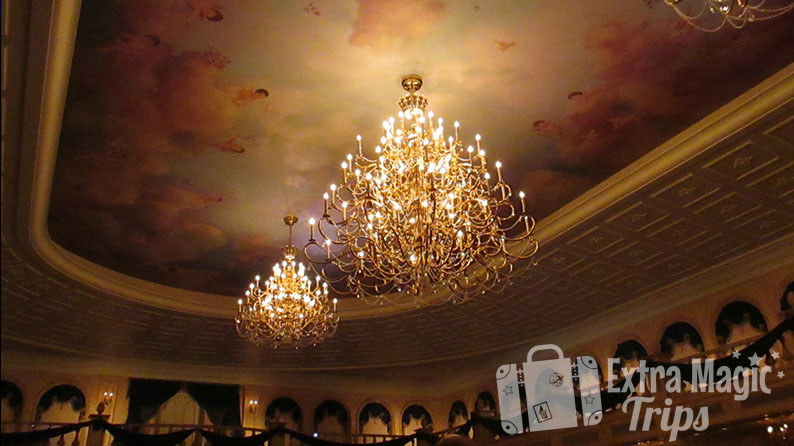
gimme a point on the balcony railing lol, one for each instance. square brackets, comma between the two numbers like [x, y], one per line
[80, 438]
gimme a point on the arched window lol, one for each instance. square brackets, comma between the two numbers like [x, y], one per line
[11, 401]
[415, 417]
[61, 404]
[331, 419]
[374, 419]
[738, 321]
[284, 411]
[485, 403]
[681, 340]
[458, 414]
[629, 353]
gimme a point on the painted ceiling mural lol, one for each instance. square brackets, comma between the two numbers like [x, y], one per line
[192, 126]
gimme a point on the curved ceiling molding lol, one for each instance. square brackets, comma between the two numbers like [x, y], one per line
[717, 193]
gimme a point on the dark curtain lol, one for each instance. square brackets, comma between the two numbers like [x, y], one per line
[678, 332]
[734, 314]
[284, 405]
[417, 411]
[760, 347]
[141, 388]
[610, 400]
[9, 391]
[458, 408]
[333, 409]
[374, 410]
[62, 394]
[222, 402]
[486, 397]
[146, 396]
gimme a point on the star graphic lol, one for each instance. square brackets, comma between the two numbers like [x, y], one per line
[589, 399]
[780, 374]
[736, 354]
[508, 390]
[775, 354]
[755, 360]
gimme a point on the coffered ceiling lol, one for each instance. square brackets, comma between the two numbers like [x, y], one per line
[663, 199]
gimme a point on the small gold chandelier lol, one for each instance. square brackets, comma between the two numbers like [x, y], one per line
[712, 15]
[287, 309]
[423, 217]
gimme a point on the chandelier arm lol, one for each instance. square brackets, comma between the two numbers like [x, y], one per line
[777, 11]
[420, 217]
[736, 13]
[308, 255]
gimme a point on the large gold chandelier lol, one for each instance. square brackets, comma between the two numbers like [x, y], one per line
[712, 15]
[423, 220]
[287, 310]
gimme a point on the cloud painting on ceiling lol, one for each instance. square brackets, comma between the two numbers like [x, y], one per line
[192, 126]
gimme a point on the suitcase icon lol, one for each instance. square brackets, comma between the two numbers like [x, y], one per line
[550, 390]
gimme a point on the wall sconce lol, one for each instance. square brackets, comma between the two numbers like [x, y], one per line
[252, 405]
[107, 398]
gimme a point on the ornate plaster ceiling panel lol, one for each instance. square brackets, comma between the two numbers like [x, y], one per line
[711, 197]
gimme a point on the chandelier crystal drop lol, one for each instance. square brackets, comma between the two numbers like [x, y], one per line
[713, 15]
[421, 220]
[288, 309]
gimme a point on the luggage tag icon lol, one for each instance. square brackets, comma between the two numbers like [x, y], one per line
[549, 388]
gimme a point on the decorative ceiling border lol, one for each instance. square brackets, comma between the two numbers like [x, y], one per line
[48, 63]
[586, 242]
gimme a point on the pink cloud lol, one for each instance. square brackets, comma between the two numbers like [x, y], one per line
[656, 76]
[252, 247]
[381, 23]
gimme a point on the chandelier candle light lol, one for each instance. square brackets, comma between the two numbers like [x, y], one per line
[287, 310]
[712, 15]
[422, 221]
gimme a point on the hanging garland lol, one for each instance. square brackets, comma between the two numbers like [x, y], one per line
[610, 400]
[130, 438]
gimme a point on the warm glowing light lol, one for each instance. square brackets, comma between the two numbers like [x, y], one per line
[287, 309]
[712, 15]
[422, 217]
